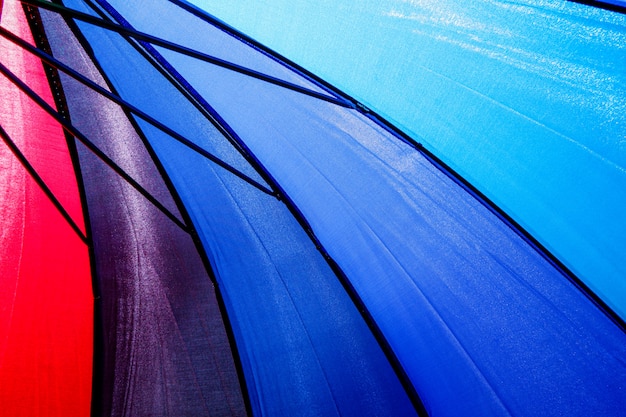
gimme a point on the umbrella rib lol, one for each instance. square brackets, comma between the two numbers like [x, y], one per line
[142, 36]
[71, 25]
[126, 105]
[160, 64]
[41, 183]
[603, 4]
[93, 148]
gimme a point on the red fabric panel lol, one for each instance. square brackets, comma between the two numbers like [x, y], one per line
[46, 303]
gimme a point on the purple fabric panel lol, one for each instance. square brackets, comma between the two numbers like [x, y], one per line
[118, 140]
[165, 348]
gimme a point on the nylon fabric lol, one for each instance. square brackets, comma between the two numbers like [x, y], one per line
[304, 347]
[436, 255]
[118, 140]
[612, 2]
[46, 302]
[211, 40]
[524, 99]
[471, 309]
[220, 147]
[21, 63]
[165, 348]
[481, 321]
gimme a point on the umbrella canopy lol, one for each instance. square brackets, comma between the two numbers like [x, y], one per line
[524, 99]
[223, 233]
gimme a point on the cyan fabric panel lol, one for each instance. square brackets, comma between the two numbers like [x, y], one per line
[472, 310]
[164, 347]
[525, 99]
[304, 347]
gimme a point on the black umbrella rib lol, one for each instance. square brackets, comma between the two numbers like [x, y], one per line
[607, 5]
[126, 105]
[41, 183]
[75, 14]
[93, 148]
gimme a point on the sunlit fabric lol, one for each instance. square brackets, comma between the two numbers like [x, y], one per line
[526, 99]
[346, 174]
[46, 316]
[261, 244]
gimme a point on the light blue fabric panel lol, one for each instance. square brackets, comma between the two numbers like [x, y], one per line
[304, 347]
[211, 40]
[483, 323]
[526, 99]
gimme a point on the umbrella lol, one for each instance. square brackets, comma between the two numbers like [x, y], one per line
[193, 225]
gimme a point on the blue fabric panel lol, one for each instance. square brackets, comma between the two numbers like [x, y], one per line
[613, 2]
[482, 322]
[219, 147]
[163, 339]
[211, 40]
[304, 347]
[526, 99]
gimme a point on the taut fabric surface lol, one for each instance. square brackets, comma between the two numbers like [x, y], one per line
[470, 308]
[46, 301]
[164, 349]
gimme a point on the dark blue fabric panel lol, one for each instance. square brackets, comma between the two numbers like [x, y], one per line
[304, 347]
[482, 322]
[610, 2]
[165, 350]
